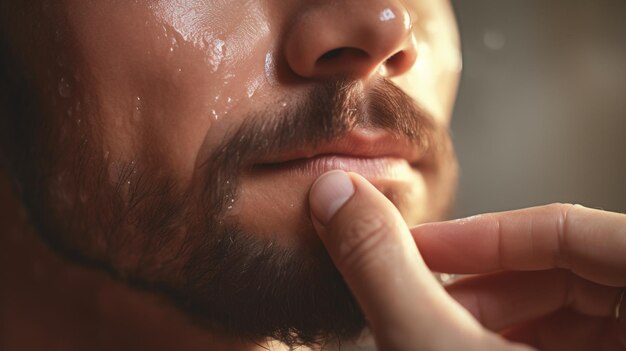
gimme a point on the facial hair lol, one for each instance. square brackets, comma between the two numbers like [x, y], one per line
[154, 234]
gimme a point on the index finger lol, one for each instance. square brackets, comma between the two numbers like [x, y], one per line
[591, 243]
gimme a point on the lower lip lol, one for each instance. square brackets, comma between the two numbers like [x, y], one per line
[372, 168]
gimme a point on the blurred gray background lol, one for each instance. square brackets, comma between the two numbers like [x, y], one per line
[541, 111]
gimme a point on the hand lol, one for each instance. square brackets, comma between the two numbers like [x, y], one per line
[369, 242]
[408, 310]
[550, 276]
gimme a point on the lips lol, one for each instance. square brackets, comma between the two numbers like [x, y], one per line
[281, 182]
[382, 167]
[373, 154]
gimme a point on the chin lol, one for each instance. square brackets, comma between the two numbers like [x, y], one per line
[274, 203]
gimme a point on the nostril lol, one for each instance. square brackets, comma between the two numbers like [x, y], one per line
[399, 62]
[342, 61]
[341, 54]
[351, 60]
[395, 59]
[332, 54]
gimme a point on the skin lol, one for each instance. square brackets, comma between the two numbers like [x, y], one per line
[149, 90]
[159, 85]
[164, 83]
[551, 277]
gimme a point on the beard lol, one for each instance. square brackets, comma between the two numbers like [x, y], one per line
[153, 233]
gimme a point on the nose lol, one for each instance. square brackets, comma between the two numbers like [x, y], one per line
[351, 38]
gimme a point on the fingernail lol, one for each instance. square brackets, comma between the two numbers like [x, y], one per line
[329, 192]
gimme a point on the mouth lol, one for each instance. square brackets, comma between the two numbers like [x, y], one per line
[281, 181]
[373, 154]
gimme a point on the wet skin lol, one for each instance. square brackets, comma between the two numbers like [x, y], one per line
[181, 76]
[153, 89]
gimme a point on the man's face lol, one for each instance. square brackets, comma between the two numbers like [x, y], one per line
[174, 142]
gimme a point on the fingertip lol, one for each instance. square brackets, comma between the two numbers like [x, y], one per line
[329, 193]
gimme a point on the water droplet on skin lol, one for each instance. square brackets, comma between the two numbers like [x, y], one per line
[444, 277]
[216, 54]
[270, 74]
[253, 86]
[283, 104]
[215, 115]
[138, 106]
[250, 91]
[65, 89]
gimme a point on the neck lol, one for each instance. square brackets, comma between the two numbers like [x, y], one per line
[48, 303]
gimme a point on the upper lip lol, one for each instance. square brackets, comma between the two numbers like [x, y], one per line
[357, 144]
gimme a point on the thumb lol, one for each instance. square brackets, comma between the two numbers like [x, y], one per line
[373, 249]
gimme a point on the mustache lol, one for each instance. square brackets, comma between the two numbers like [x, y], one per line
[328, 112]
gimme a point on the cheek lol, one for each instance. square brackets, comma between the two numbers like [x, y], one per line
[433, 80]
[168, 85]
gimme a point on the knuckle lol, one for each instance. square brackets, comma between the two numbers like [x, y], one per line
[562, 211]
[559, 207]
[367, 225]
[365, 239]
